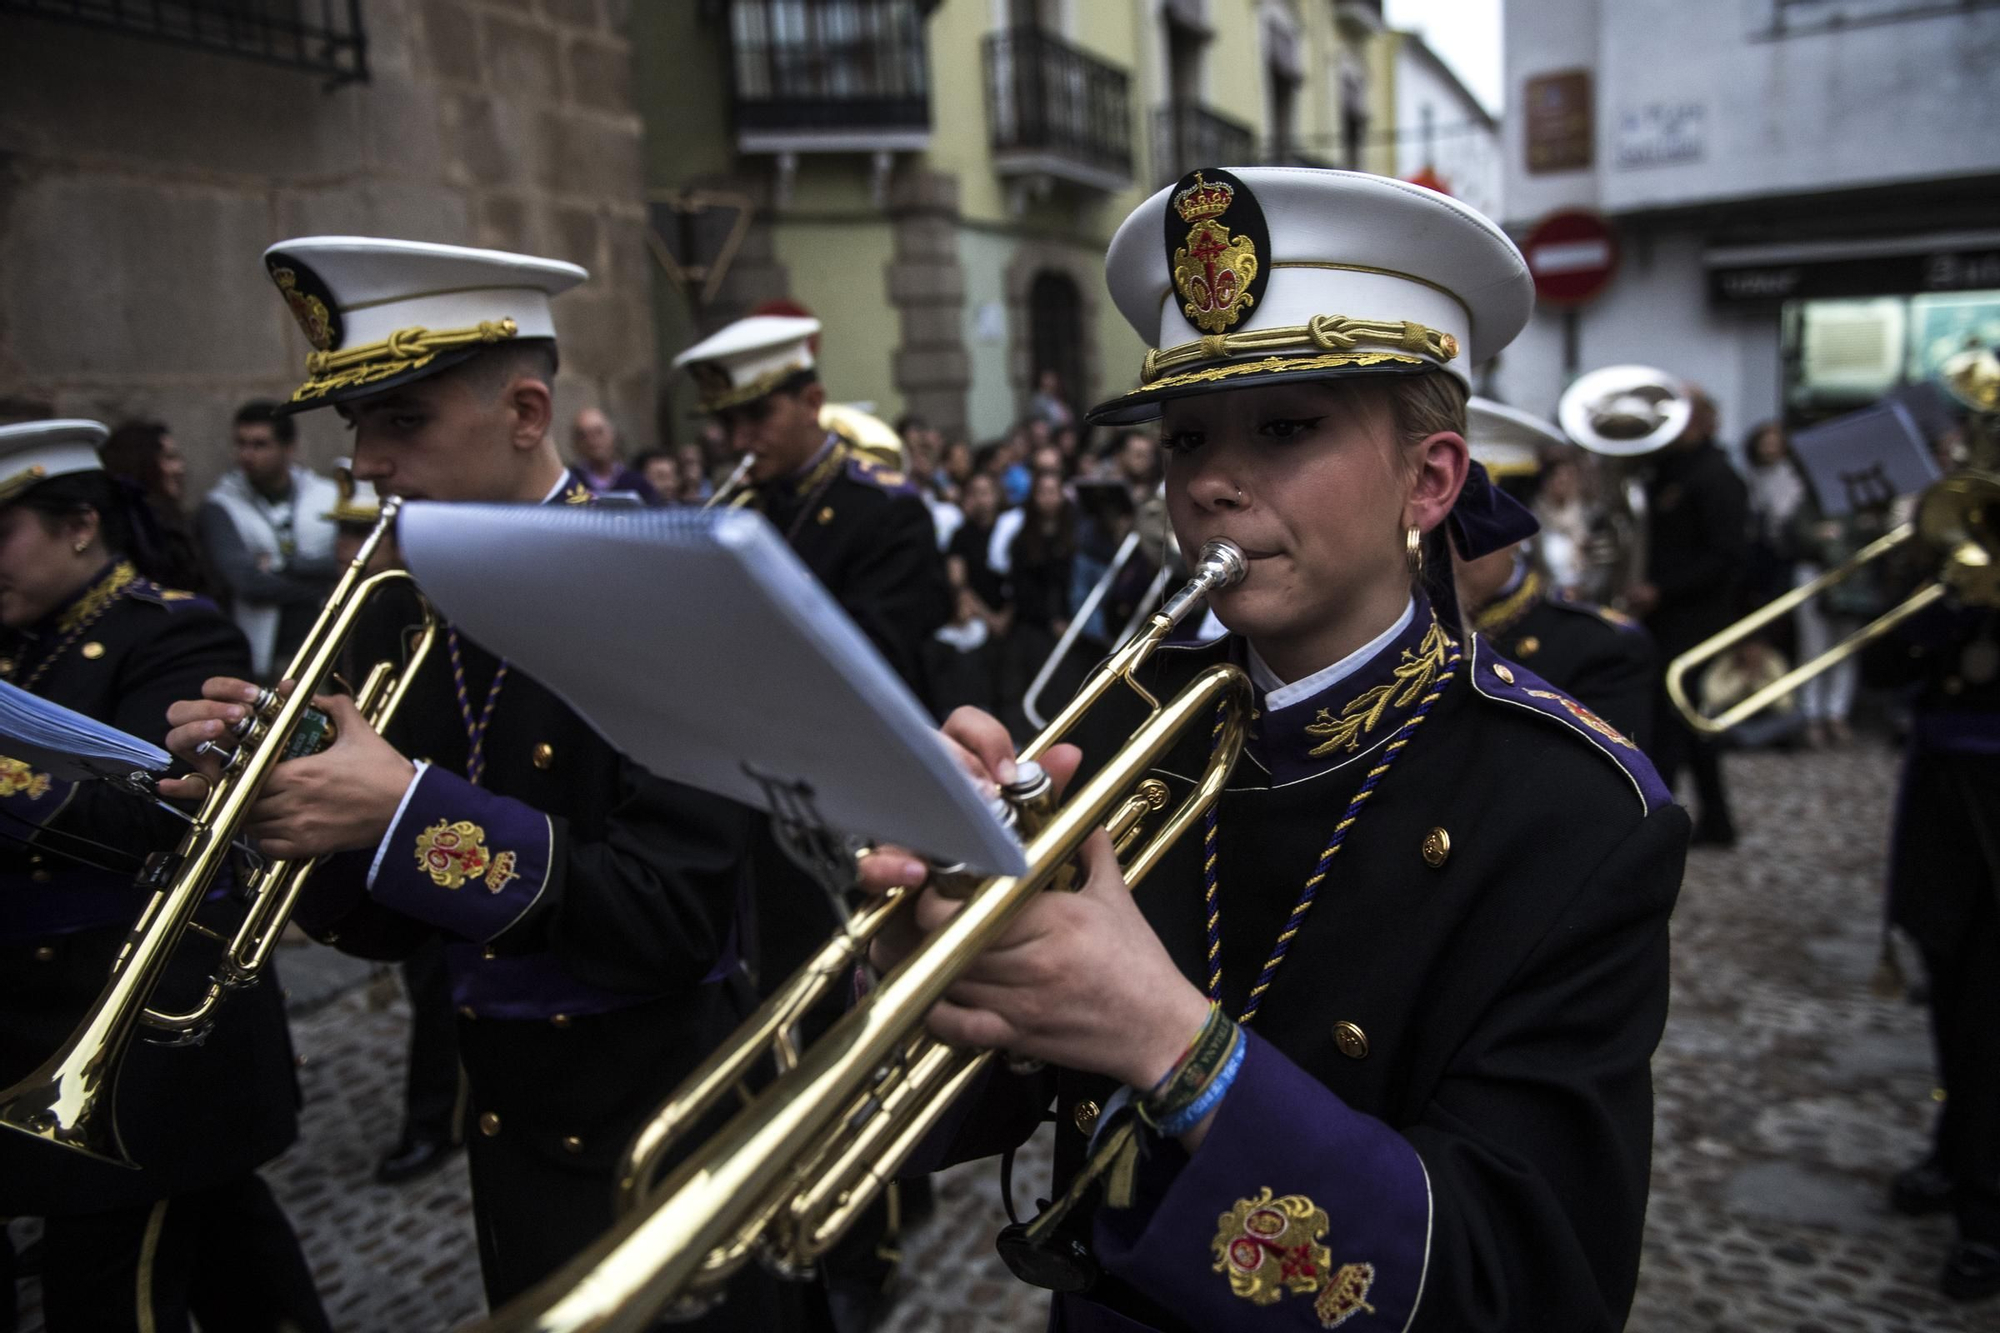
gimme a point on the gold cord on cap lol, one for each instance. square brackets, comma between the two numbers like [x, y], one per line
[405, 349]
[1323, 333]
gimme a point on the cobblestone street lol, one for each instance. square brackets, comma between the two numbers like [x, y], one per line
[1788, 1095]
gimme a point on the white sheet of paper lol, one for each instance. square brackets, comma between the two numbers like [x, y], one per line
[697, 643]
[68, 745]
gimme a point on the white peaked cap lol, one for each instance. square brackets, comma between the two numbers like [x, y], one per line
[380, 312]
[1240, 276]
[742, 362]
[1506, 439]
[35, 451]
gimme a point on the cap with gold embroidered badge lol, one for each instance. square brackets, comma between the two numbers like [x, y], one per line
[751, 358]
[1261, 274]
[382, 312]
[32, 452]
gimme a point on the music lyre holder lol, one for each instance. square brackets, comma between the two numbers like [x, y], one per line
[804, 835]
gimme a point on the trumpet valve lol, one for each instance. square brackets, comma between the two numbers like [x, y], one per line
[231, 758]
[1149, 797]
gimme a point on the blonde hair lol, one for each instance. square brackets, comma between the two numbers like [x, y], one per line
[1425, 404]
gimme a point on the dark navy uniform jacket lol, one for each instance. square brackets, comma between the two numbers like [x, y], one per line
[121, 652]
[866, 535]
[1444, 1117]
[591, 913]
[1601, 658]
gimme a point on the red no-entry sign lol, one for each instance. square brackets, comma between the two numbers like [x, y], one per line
[1571, 255]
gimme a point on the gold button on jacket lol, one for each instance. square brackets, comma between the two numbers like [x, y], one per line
[1351, 1040]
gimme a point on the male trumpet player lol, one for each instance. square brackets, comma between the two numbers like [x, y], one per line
[866, 534]
[589, 908]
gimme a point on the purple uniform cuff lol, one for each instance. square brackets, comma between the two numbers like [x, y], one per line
[29, 798]
[1296, 1212]
[462, 858]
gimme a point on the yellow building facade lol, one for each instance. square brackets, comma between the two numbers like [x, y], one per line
[938, 181]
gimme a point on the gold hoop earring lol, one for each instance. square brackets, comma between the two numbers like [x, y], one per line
[1413, 551]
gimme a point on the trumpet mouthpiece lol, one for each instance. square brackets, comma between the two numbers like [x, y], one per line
[1222, 564]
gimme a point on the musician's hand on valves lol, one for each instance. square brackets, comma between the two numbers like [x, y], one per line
[342, 799]
[1079, 979]
[201, 733]
[986, 752]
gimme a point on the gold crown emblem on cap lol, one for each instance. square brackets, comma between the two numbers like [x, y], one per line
[1203, 200]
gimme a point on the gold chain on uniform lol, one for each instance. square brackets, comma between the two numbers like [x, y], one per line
[86, 612]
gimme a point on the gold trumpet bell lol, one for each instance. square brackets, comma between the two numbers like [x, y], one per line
[71, 1100]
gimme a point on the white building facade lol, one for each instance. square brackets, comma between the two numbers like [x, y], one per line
[1805, 193]
[1442, 132]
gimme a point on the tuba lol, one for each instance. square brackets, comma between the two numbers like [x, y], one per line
[1957, 521]
[792, 1170]
[1623, 414]
[70, 1101]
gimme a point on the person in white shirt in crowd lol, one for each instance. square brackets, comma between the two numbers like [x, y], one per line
[265, 528]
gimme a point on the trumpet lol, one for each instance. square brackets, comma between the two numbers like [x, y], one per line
[70, 1101]
[733, 484]
[1957, 519]
[793, 1169]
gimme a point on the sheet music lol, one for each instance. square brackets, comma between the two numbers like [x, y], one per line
[66, 744]
[697, 643]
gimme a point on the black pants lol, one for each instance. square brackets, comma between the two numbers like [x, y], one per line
[1677, 745]
[226, 1256]
[430, 1098]
[1965, 1024]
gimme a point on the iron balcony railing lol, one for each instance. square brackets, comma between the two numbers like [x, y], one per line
[1050, 105]
[1187, 135]
[840, 68]
[323, 37]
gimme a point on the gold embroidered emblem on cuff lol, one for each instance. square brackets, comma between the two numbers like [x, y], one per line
[1269, 1246]
[17, 779]
[454, 854]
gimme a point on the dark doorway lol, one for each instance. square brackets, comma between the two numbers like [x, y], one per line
[1055, 335]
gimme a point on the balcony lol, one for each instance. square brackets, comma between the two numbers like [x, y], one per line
[326, 39]
[1057, 112]
[829, 76]
[1187, 135]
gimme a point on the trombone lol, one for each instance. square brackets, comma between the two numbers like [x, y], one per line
[1957, 518]
[790, 1172]
[70, 1101]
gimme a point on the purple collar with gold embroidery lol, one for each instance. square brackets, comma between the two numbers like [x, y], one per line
[1352, 718]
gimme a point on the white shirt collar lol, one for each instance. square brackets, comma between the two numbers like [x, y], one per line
[556, 489]
[1277, 694]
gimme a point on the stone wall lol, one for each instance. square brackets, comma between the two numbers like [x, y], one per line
[139, 183]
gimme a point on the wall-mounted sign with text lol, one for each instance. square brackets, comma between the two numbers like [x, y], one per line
[1660, 134]
[1561, 122]
[1734, 282]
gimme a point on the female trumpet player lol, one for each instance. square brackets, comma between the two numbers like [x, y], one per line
[1371, 1049]
[195, 1231]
